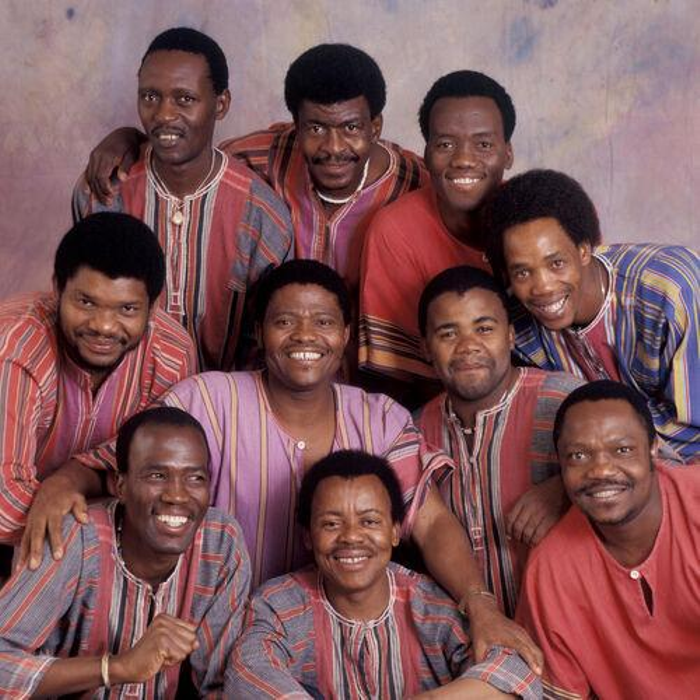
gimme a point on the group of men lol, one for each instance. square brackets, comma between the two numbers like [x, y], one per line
[398, 285]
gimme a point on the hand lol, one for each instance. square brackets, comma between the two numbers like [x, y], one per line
[537, 511]
[117, 151]
[490, 627]
[166, 642]
[55, 498]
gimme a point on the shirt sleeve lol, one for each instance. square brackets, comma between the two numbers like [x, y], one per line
[21, 399]
[32, 606]
[563, 678]
[222, 610]
[261, 665]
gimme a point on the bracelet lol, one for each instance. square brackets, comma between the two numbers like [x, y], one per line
[104, 670]
[462, 607]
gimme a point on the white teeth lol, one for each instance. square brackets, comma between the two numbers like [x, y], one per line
[465, 180]
[305, 356]
[168, 138]
[172, 520]
[554, 307]
[606, 494]
[351, 560]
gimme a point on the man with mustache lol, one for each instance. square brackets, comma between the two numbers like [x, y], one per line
[149, 596]
[220, 226]
[467, 120]
[394, 633]
[495, 421]
[75, 364]
[623, 312]
[612, 594]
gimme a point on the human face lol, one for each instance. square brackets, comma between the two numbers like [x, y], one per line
[165, 494]
[304, 336]
[468, 340]
[606, 461]
[336, 140]
[178, 107]
[101, 319]
[466, 153]
[352, 535]
[546, 272]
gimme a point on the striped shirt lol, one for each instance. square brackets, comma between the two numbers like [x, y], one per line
[256, 467]
[295, 645]
[49, 410]
[512, 451]
[407, 245]
[334, 238]
[646, 335]
[88, 603]
[232, 231]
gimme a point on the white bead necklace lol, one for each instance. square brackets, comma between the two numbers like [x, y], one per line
[177, 217]
[345, 200]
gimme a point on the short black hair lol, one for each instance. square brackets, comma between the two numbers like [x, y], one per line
[468, 83]
[458, 280]
[117, 245]
[193, 41]
[330, 73]
[349, 464]
[159, 415]
[605, 390]
[301, 272]
[539, 194]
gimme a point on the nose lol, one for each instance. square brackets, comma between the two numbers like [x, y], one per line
[542, 282]
[351, 532]
[468, 343]
[175, 491]
[463, 156]
[166, 111]
[304, 329]
[601, 465]
[103, 321]
[334, 142]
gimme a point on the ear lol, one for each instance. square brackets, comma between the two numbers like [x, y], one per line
[426, 350]
[654, 450]
[54, 285]
[509, 156]
[118, 485]
[395, 535]
[585, 253]
[377, 124]
[223, 103]
[306, 539]
[511, 336]
[346, 336]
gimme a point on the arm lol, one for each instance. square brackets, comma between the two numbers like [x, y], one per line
[448, 556]
[263, 659]
[118, 151]
[537, 511]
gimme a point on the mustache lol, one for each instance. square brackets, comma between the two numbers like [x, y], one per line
[338, 160]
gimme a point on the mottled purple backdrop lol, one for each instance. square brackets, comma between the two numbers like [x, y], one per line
[606, 90]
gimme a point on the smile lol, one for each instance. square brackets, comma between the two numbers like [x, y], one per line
[306, 356]
[552, 309]
[174, 521]
[351, 560]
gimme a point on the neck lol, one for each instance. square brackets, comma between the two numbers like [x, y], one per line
[183, 179]
[365, 605]
[149, 567]
[631, 543]
[466, 409]
[465, 226]
[593, 291]
[300, 408]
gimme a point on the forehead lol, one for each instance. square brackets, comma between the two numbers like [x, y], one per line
[457, 115]
[336, 113]
[173, 446]
[359, 493]
[96, 283]
[536, 239]
[588, 421]
[175, 67]
[470, 306]
[301, 298]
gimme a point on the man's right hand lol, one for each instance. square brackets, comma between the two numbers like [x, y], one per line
[166, 642]
[118, 151]
[61, 493]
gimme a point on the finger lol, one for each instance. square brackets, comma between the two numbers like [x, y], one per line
[532, 655]
[543, 527]
[80, 510]
[480, 650]
[517, 522]
[55, 527]
[37, 535]
[127, 162]
[172, 622]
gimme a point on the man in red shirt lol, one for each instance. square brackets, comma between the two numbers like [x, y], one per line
[612, 595]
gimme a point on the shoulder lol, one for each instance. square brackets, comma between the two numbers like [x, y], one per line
[412, 211]
[214, 385]
[430, 413]
[555, 385]
[28, 328]
[166, 332]
[376, 404]
[263, 139]
[683, 483]
[288, 592]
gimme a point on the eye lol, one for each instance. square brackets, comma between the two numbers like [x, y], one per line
[558, 263]
[186, 99]
[155, 476]
[83, 301]
[130, 309]
[326, 322]
[149, 96]
[370, 522]
[316, 129]
[447, 334]
[519, 275]
[197, 478]
[485, 145]
[443, 144]
[329, 524]
[624, 450]
[484, 330]
[282, 322]
[576, 456]
[352, 128]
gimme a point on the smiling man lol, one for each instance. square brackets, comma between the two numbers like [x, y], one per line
[467, 120]
[495, 422]
[75, 364]
[613, 592]
[623, 312]
[356, 625]
[220, 226]
[155, 578]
